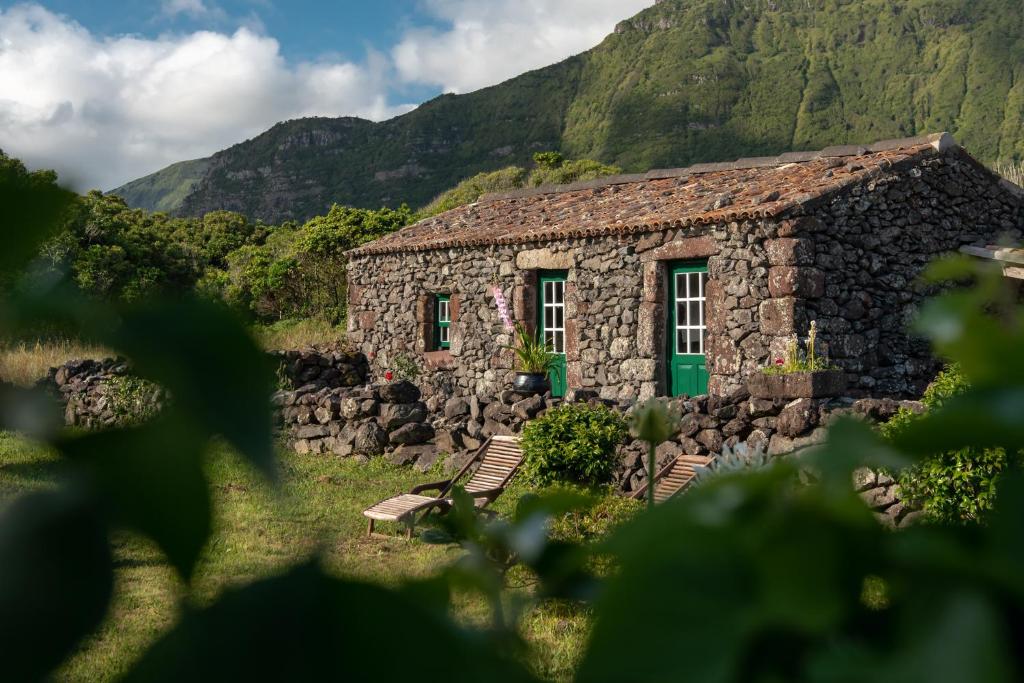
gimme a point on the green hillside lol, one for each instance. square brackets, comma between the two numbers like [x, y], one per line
[164, 190]
[682, 82]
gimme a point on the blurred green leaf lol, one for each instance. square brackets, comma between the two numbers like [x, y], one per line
[732, 582]
[305, 626]
[981, 418]
[151, 479]
[30, 412]
[216, 374]
[56, 579]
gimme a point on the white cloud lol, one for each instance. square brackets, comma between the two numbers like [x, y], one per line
[192, 8]
[106, 110]
[489, 41]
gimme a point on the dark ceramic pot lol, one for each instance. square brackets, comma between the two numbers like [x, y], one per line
[529, 383]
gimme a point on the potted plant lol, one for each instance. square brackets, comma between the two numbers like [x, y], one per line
[799, 375]
[534, 361]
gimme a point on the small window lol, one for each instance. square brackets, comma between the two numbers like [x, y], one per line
[442, 322]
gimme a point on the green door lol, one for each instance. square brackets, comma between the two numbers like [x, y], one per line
[687, 370]
[551, 323]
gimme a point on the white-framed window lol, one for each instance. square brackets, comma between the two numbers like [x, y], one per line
[442, 324]
[554, 315]
[691, 329]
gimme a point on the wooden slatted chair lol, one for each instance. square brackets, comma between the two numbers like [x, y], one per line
[499, 458]
[674, 477]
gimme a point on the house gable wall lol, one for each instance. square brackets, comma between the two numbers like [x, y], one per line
[869, 246]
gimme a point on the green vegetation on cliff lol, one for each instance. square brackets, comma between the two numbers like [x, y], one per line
[684, 81]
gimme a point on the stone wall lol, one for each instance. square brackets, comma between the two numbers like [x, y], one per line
[615, 308]
[90, 398]
[321, 368]
[857, 262]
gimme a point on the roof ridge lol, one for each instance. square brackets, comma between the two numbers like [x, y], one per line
[940, 141]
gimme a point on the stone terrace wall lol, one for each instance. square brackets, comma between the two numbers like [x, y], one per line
[859, 258]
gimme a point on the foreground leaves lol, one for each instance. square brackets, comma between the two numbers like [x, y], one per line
[56, 578]
[150, 479]
[306, 626]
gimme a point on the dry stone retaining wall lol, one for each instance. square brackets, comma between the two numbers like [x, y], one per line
[392, 420]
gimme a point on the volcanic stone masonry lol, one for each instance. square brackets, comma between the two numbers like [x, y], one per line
[838, 236]
[328, 410]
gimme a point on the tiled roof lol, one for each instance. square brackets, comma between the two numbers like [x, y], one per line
[706, 193]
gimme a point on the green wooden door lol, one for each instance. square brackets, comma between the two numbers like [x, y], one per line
[687, 370]
[551, 323]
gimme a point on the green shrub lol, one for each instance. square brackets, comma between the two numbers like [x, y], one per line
[958, 486]
[572, 444]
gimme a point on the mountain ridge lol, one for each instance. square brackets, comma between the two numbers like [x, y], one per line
[682, 82]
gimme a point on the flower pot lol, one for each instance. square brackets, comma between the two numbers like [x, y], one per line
[817, 384]
[530, 383]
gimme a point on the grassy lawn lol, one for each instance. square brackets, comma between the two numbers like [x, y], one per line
[259, 532]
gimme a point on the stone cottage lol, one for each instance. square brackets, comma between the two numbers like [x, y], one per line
[685, 281]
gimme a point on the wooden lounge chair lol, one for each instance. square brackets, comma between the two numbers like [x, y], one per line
[674, 477]
[499, 458]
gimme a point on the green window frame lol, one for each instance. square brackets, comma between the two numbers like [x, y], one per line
[442, 321]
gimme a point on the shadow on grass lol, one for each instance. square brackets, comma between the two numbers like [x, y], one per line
[48, 471]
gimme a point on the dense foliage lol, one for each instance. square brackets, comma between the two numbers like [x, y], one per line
[299, 271]
[573, 443]
[955, 486]
[684, 81]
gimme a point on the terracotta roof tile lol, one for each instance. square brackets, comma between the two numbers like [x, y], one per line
[657, 200]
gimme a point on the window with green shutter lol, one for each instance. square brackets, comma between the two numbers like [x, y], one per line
[442, 321]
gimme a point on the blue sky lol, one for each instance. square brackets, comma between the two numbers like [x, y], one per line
[108, 91]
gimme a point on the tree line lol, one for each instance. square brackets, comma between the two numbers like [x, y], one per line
[114, 252]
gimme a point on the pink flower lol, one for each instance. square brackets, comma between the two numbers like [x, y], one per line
[779, 361]
[388, 375]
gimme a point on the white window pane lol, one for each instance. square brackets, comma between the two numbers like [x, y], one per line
[444, 334]
[694, 317]
[681, 318]
[695, 341]
[549, 318]
[680, 341]
[560, 317]
[559, 342]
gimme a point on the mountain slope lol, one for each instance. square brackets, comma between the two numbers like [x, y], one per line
[682, 82]
[166, 189]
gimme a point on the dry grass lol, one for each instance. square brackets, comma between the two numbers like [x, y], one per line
[22, 363]
[297, 334]
[1011, 170]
